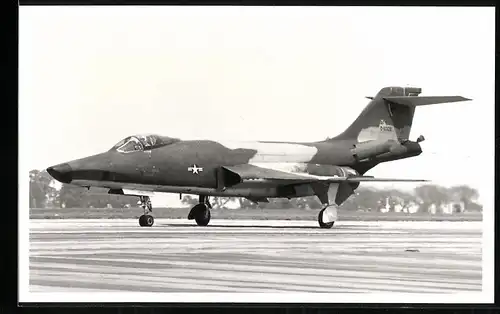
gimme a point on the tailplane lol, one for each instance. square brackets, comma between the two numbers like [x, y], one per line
[389, 115]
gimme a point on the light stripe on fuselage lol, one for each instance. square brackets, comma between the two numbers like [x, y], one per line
[275, 152]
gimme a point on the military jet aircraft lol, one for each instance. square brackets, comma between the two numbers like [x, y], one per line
[331, 169]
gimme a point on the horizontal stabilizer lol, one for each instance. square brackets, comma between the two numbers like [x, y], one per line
[423, 100]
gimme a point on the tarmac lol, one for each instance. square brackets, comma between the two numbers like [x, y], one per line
[176, 255]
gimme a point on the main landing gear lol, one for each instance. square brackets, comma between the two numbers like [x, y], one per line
[201, 212]
[327, 217]
[146, 220]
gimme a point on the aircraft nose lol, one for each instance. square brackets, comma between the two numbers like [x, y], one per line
[61, 172]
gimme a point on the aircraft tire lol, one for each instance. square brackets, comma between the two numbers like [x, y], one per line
[202, 217]
[146, 221]
[324, 225]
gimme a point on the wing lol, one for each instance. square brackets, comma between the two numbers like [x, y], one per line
[247, 172]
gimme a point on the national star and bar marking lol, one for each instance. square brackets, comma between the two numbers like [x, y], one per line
[195, 169]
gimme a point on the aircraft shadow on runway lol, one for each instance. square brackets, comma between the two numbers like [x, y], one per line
[262, 226]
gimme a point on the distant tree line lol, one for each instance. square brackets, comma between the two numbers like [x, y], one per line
[43, 194]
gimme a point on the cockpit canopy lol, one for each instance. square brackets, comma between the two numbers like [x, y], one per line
[143, 142]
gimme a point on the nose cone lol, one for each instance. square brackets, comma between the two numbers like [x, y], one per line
[61, 173]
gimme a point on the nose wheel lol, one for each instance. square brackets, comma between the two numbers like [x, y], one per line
[146, 220]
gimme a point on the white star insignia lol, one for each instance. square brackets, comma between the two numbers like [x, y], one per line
[195, 169]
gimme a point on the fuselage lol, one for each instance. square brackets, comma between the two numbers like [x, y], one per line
[191, 166]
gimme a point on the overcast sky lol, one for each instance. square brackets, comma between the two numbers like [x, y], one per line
[90, 76]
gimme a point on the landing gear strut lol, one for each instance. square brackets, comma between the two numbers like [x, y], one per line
[201, 212]
[146, 220]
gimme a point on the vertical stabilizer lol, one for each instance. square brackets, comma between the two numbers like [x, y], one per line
[389, 115]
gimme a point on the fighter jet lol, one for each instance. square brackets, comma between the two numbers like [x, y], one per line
[331, 169]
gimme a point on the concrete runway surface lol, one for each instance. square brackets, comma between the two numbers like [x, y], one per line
[254, 256]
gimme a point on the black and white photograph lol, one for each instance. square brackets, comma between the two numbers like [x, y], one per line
[256, 154]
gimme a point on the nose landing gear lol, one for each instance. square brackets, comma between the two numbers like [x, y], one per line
[146, 220]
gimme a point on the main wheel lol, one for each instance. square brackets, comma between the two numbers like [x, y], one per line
[202, 216]
[146, 221]
[324, 225]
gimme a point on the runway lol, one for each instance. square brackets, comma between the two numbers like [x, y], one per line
[254, 256]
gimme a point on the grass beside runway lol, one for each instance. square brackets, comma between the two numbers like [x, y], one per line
[243, 214]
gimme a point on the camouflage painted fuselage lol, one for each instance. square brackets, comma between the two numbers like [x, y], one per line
[170, 168]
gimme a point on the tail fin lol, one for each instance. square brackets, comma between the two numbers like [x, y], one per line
[389, 115]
